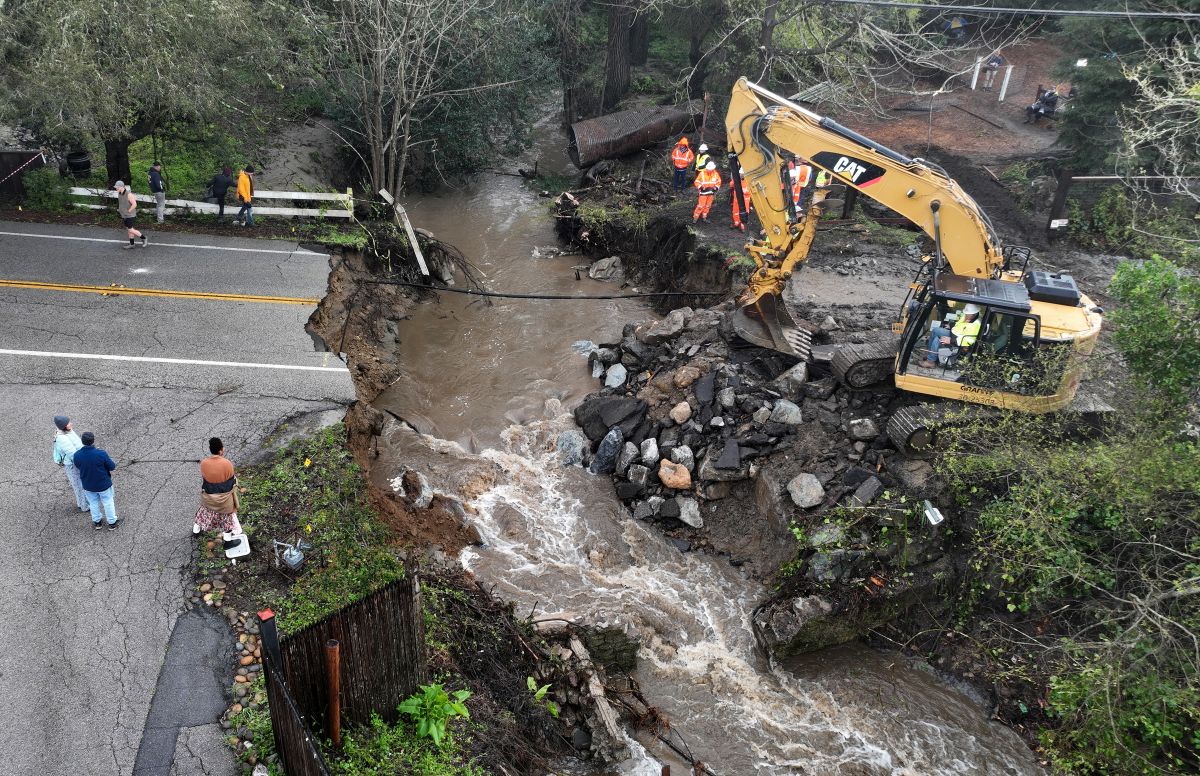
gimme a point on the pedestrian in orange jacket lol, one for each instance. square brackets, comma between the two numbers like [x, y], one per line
[708, 183]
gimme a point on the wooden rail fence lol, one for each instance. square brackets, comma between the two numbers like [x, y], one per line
[342, 203]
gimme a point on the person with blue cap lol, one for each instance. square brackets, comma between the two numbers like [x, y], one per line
[66, 442]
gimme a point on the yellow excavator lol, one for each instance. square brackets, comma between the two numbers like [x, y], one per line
[1036, 328]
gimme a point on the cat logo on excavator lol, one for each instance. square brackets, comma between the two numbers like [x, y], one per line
[856, 171]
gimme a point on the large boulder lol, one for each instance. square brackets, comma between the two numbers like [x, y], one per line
[791, 383]
[689, 512]
[673, 475]
[605, 460]
[806, 491]
[597, 414]
[665, 330]
[609, 269]
[570, 446]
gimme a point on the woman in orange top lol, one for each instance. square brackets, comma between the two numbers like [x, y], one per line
[218, 493]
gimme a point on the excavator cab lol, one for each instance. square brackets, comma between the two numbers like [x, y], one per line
[1007, 362]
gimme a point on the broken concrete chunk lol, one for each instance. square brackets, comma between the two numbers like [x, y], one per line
[786, 413]
[615, 377]
[689, 512]
[863, 429]
[649, 451]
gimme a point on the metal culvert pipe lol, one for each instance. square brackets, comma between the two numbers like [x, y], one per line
[627, 131]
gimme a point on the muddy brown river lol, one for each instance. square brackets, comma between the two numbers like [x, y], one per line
[491, 388]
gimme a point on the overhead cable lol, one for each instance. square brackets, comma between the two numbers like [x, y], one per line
[995, 11]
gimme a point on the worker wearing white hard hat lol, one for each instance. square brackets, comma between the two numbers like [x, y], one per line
[961, 336]
[703, 157]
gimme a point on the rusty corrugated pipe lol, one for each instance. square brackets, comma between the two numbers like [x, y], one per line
[627, 131]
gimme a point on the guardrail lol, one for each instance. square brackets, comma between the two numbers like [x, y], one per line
[346, 202]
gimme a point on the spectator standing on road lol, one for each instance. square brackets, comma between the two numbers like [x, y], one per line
[245, 195]
[95, 467]
[127, 208]
[158, 190]
[990, 68]
[221, 183]
[218, 493]
[66, 443]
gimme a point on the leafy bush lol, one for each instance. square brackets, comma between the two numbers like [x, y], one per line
[433, 708]
[1157, 327]
[46, 190]
[386, 750]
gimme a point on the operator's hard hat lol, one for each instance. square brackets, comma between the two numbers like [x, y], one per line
[703, 147]
[683, 140]
[710, 166]
[741, 170]
[971, 309]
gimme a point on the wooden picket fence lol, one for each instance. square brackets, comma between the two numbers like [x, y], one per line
[382, 661]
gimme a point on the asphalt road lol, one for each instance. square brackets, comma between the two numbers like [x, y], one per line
[87, 616]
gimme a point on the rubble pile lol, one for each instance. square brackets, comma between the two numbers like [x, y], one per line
[746, 452]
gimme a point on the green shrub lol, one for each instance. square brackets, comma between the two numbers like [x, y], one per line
[432, 709]
[387, 750]
[1157, 326]
[46, 190]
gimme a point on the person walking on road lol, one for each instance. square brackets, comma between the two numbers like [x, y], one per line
[245, 195]
[158, 190]
[95, 467]
[681, 160]
[218, 493]
[66, 443]
[127, 208]
[220, 185]
[708, 183]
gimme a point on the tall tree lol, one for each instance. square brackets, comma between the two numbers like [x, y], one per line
[1121, 72]
[119, 71]
[616, 61]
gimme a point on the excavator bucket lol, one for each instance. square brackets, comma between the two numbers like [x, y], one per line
[767, 323]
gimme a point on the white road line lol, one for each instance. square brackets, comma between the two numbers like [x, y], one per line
[188, 361]
[157, 244]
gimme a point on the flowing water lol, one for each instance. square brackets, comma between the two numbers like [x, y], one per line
[492, 385]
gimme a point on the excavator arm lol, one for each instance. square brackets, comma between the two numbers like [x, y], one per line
[764, 130]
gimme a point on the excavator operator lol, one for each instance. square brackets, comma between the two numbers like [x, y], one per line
[962, 336]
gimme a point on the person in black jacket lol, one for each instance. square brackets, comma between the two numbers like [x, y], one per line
[158, 190]
[221, 183]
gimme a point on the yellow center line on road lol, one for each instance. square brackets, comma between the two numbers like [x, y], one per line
[161, 292]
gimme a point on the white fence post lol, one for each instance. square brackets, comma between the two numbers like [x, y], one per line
[1004, 86]
[975, 75]
[183, 205]
[401, 216]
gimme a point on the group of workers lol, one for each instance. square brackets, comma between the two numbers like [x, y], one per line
[801, 176]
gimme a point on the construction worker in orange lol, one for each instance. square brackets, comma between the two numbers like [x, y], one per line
[708, 183]
[745, 203]
[681, 160]
[802, 176]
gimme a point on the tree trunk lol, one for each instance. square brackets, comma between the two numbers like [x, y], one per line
[116, 160]
[766, 38]
[616, 63]
[639, 40]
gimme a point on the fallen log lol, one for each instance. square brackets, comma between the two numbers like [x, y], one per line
[626, 131]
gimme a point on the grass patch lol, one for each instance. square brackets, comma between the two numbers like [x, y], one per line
[188, 164]
[380, 749]
[313, 491]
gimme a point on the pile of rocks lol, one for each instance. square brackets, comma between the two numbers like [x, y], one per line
[682, 417]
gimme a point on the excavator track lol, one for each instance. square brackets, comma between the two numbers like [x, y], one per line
[860, 366]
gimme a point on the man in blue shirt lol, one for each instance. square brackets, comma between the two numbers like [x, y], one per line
[94, 466]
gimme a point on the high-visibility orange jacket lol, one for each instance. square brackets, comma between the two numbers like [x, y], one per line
[682, 156]
[805, 174]
[745, 192]
[708, 182]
